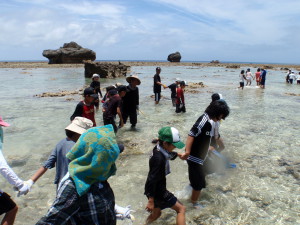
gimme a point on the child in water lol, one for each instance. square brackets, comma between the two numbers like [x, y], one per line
[156, 191]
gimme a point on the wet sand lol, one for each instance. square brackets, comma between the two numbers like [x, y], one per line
[44, 64]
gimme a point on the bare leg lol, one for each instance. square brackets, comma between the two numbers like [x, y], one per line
[10, 217]
[195, 196]
[155, 214]
[180, 209]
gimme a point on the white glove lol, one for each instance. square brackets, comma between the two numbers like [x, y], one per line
[25, 188]
[123, 212]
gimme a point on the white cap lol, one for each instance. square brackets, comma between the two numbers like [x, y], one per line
[95, 75]
[79, 125]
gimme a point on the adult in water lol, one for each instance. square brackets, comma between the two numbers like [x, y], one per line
[157, 85]
[86, 194]
[130, 104]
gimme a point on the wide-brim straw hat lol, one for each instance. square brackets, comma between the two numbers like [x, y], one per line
[128, 79]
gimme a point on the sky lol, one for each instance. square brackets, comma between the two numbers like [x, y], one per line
[201, 30]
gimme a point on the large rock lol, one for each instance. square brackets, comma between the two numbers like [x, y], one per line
[174, 57]
[105, 70]
[69, 53]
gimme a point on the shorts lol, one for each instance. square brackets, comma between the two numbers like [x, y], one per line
[157, 96]
[298, 81]
[262, 82]
[6, 203]
[196, 176]
[242, 84]
[167, 201]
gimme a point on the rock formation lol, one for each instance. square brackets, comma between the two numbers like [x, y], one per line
[174, 57]
[69, 53]
[215, 61]
[105, 70]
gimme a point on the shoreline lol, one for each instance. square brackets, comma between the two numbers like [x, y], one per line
[44, 64]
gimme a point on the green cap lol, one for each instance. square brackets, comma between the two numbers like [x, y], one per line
[171, 135]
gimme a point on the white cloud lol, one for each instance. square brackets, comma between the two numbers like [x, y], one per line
[151, 29]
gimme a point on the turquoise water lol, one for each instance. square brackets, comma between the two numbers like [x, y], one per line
[260, 134]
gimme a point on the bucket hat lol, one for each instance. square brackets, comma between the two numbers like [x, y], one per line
[79, 125]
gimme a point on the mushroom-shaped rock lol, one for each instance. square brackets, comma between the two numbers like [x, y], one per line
[69, 53]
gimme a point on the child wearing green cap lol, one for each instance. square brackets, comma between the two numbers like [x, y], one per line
[158, 196]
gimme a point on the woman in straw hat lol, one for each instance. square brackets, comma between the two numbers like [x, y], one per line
[131, 100]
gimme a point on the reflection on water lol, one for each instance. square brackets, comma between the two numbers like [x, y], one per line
[261, 137]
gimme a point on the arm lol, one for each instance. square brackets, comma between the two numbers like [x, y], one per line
[38, 174]
[120, 116]
[137, 101]
[78, 111]
[221, 145]
[188, 147]
[155, 175]
[159, 83]
[9, 174]
[49, 164]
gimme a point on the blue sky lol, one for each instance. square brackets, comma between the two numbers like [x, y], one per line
[201, 30]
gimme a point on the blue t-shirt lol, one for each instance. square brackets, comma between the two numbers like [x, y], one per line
[58, 158]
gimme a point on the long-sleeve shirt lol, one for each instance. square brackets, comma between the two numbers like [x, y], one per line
[5, 169]
[158, 169]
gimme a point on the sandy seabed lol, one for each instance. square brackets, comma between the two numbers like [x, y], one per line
[150, 63]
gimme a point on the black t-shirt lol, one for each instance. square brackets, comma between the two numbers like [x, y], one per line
[173, 90]
[201, 131]
[130, 100]
[112, 105]
[156, 87]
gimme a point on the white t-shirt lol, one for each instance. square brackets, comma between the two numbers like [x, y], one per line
[248, 75]
[298, 77]
[215, 128]
[292, 76]
[241, 77]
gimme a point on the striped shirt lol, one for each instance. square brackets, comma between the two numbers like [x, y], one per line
[201, 131]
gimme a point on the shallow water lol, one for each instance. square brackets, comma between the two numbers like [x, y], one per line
[261, 136]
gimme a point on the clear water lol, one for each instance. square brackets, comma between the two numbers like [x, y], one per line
[261, 136]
